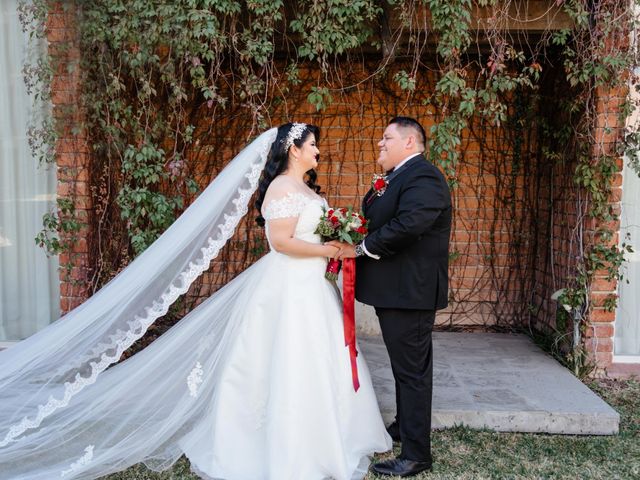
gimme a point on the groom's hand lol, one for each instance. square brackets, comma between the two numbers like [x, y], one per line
[345, 250]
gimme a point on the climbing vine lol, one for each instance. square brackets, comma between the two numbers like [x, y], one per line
[170, 89]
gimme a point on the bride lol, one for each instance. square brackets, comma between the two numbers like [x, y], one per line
[255, 383]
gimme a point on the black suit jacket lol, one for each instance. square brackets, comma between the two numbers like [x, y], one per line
[409, 227]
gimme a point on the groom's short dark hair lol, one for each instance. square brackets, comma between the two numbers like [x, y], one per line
[409, 122]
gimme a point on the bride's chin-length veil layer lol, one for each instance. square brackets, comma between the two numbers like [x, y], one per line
[64, 415]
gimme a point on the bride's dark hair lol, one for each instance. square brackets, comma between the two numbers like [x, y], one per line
[278, 160]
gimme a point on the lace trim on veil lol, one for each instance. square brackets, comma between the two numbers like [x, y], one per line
[122, 340]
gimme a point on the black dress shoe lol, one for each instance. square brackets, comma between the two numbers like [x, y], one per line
[400, 467]
[394, 431]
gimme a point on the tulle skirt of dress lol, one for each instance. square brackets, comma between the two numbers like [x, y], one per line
[285, 407]
[254, 384]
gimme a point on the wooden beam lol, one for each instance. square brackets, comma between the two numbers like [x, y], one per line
[514, 16]
[526, 16]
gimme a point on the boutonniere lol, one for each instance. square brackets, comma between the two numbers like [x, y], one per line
[379, 184]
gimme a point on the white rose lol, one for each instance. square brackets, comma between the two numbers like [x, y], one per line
[355, 223]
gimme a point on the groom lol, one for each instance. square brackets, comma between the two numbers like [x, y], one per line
[401, 269]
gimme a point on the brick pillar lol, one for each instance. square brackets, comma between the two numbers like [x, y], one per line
[607, 131]
[72, 151]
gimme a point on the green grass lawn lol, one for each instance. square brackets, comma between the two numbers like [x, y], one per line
[461, 453]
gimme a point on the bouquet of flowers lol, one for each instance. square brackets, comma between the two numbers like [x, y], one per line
[341, 224]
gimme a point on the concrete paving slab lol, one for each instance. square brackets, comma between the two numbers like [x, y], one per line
[503, 382]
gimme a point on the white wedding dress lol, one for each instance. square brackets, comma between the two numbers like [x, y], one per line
[285, 407]
[255, 383]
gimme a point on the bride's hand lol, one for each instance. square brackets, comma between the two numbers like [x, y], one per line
[346, 250]
[333, 251]
[340, 246]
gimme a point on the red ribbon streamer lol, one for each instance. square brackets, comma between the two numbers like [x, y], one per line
[348, 298]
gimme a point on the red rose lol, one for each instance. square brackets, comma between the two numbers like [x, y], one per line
[362, 230]
[343, 211]
[330, 212]
[380, 184]
[334, 220]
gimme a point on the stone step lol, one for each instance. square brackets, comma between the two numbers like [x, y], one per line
[503, 382]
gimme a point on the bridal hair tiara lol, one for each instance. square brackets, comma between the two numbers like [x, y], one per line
[294, 134]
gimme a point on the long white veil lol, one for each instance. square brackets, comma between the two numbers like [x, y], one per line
[63, 415]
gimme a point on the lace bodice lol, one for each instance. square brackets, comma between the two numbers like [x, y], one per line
[296, 204]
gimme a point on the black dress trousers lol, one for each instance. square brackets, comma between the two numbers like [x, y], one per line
[407, 336]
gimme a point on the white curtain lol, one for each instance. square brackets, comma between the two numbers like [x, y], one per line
[29, 285]
[627, 326]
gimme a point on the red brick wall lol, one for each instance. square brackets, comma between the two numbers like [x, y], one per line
[558, 239]
[493, 259]
[508, 204]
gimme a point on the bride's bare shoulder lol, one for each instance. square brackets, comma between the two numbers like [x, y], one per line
[280, 187]
[282, 181]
